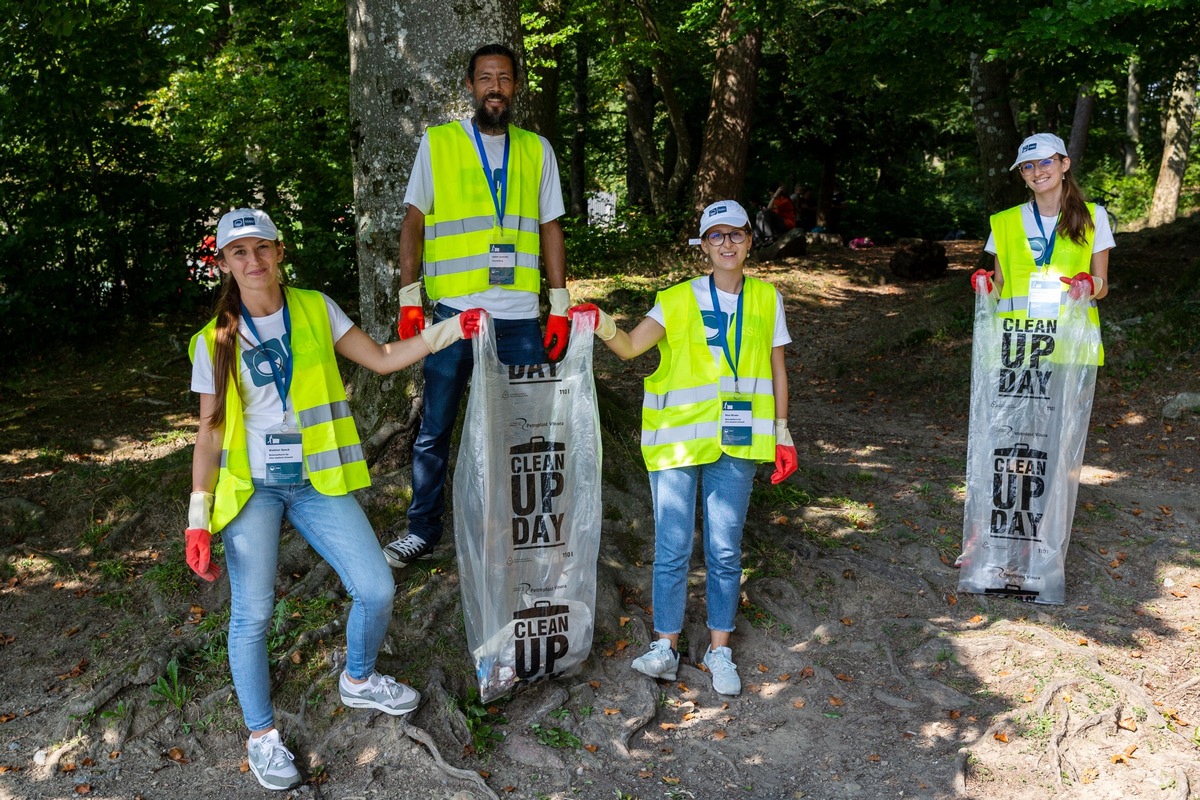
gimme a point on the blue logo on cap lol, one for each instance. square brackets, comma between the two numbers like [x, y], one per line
[717, 210]
[1030, 146]
[243, 221]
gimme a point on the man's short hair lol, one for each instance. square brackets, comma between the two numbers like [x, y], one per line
[493, 50]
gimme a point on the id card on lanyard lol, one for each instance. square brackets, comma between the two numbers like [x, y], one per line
[502, 249]
[284, 450]
[1045, 289]
[737, 417]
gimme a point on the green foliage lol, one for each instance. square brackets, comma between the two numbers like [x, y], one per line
[482, 722]
[556, 737]
[169, 688]
[634, 238]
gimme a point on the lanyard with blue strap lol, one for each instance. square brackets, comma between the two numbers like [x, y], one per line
[737, 420]
[1045, 292]
[502, 251]
[283, 382]
[284, 454]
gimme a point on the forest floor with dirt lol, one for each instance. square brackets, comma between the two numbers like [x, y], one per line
[866, 674]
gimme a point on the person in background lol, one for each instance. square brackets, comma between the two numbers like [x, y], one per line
[483, 205]
[715, 409]
[276, 439]
[782, 206]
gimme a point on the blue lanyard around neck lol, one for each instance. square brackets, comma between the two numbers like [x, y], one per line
[1049, 251]
[736, 356]
[499, 198]
[283, 383]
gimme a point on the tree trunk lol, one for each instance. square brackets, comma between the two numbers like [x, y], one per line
[544, 63]
[579, 135]
[996, 132]
[1133, 99]
[666, 185]
[722, 168]
[1177, 139]
[1085, 106]
[639, 93]
[407, 64]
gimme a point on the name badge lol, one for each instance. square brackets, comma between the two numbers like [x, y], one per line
[737, 423]
[1045, 294]
[502, 264]
[285, 459]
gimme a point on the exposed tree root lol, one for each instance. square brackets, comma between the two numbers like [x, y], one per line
[960, 772]
[420, 736]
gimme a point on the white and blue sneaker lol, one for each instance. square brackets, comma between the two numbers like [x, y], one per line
[719, 662]
[271, 762]
[661, 662]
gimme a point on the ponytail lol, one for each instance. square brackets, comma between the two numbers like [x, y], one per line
[1076, 221]
[225, 346]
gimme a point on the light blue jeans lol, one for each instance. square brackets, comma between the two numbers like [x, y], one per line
[726, 485]
[339, 531]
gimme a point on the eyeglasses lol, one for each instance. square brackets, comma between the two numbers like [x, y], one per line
[716, 238]
[1045, 163]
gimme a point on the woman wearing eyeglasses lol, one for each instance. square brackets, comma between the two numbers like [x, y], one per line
[1056, 231]
[715, 409]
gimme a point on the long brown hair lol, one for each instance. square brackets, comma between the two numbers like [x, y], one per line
[1075, 221]
[225, 346]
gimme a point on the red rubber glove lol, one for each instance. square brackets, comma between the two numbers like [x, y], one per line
[585, 309]
[470, 321]
[410, 322]
[1081, 285]
[558, 328]
[986, 275]
[199, 553]
[786, 459]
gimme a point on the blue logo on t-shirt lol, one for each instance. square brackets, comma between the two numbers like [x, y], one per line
[258, 361]
[716, 323]
[1038, 245]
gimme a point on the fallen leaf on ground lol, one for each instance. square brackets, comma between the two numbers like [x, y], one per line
[591, 748]
[719, 734]
[683, 687]
[75, 671]
[841, 676]
[785, 677]
[624, 621]
[645, 773]
[594, 684]
[951, 599]
[1179, 594]
[1128, 724]
[296, 657]
[83, 788]
[176, 755]
[1082, 641]
[6, 768]
[621, 644]
[763, 668]
[976, 618]
[799, 702]
[72, 632]
[874, 757]
[954, 713]
[244, 766]
[689, 716]
[87, 762]
[7, 717]
[807, 672]
[670, 781]
[836, 701]
[847, 621]
[1001, 737]
[68, 767]
[611, 711]
[1089, 775]
[668, 726]
[1123, 758]
[509, 789]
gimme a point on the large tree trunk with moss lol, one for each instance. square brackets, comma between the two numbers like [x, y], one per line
[996, 132]
[722, 168]
[1177, 140]
[407, 64]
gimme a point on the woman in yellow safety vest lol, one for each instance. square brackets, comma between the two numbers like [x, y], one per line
[714, 409]
[276, 439]
[1056, 234]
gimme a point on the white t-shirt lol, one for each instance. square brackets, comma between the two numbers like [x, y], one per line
[1102, 240]
[262, 410]
[500, 303]
[714, 322]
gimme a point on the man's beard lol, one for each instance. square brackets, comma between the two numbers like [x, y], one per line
[490, 122]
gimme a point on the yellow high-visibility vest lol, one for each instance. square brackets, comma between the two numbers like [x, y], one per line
[1017, 264]
[681, 412]
[462, 225]
[332, 450]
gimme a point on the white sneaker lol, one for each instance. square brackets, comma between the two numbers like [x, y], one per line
[406, 550]
[720, 665]
[380, 692]
[271, 762]
[660, 662]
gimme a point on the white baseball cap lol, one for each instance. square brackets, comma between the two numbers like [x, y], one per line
[1038, 146]
[723, 212]
[243, 222]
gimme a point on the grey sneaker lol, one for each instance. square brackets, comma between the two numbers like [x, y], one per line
[720, 665]
[406, 550]
[660, 662]
[380, 692]
[271, 762]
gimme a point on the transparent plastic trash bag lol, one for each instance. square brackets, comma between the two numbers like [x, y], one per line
[1032, 382]
[527, 513]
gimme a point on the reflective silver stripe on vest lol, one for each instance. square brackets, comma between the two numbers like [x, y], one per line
[679, 397]
[700, 430]
[332, 459]
[1021, 303]
[748, 385]
[454, 266]
[456, 227]
[339, 409]
[224, 459]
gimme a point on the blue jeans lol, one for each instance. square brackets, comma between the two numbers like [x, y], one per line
[726, 485]
[338, 530]
[518, 341]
